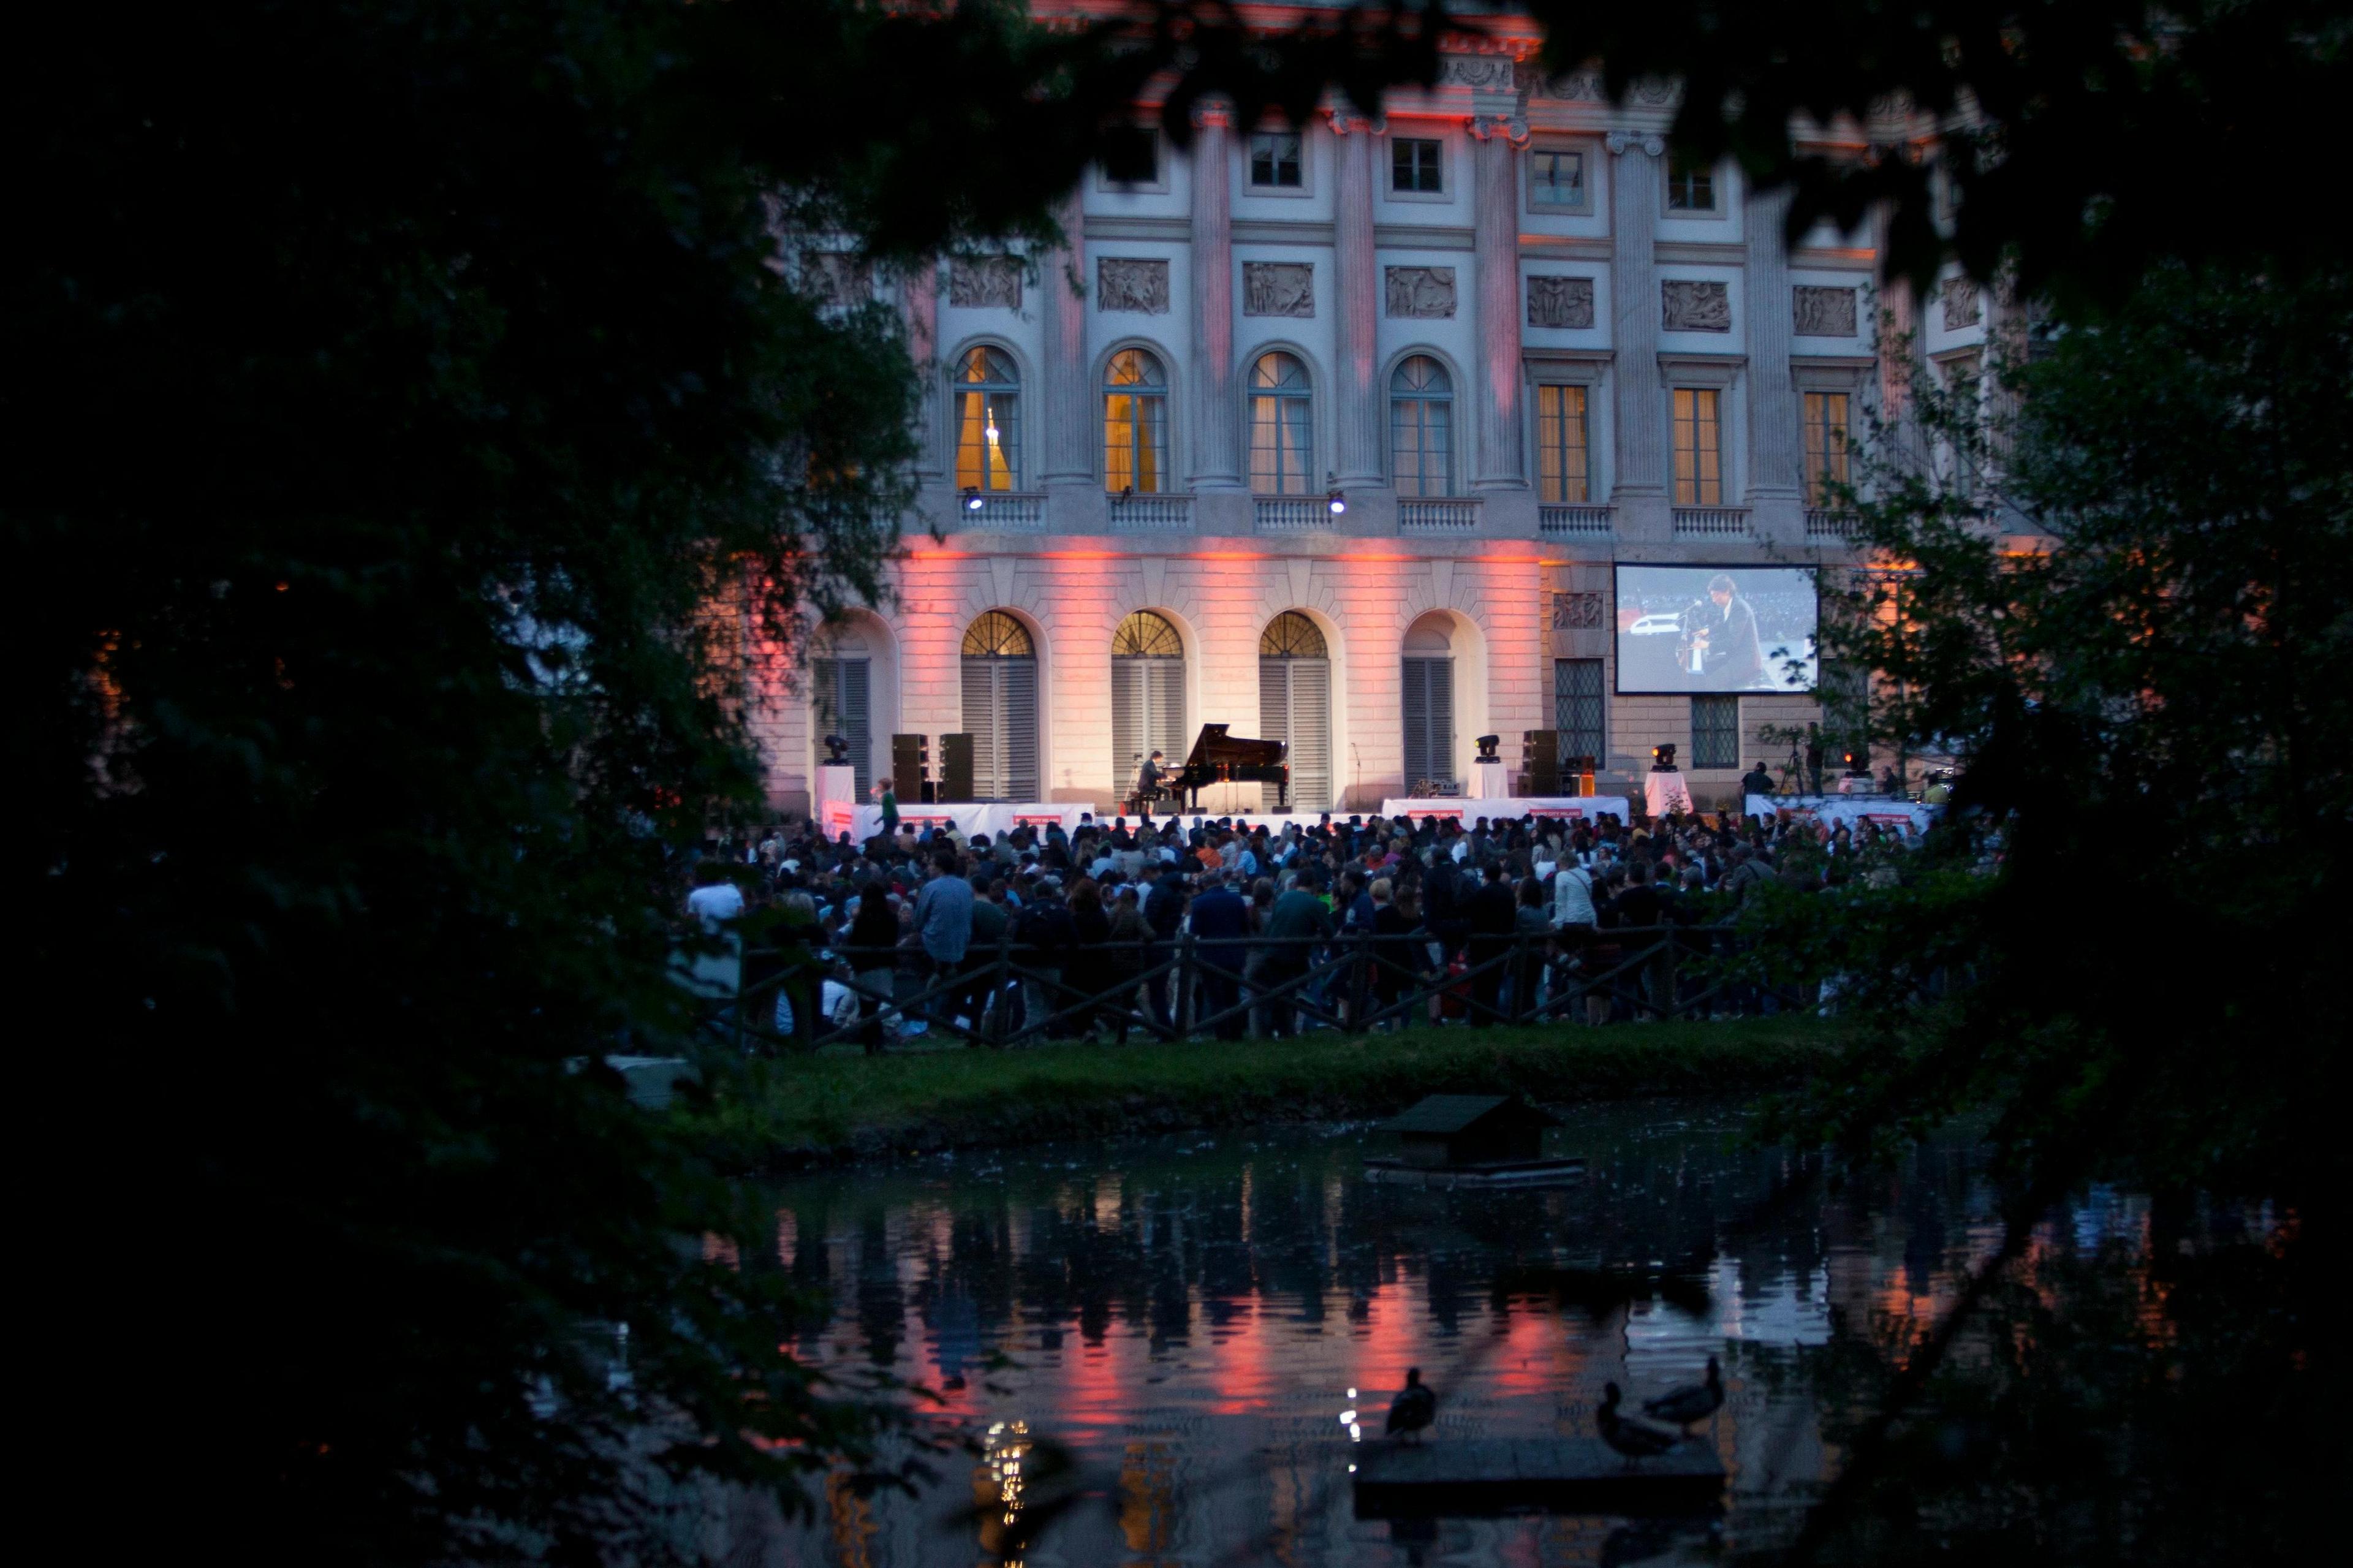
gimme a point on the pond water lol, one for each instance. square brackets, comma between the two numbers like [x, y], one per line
[1148, 1347]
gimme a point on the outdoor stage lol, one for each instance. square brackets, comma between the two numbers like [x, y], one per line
[863, 822]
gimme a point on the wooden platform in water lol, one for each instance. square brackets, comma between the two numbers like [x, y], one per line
[1564, 1474]
[1502, 1173]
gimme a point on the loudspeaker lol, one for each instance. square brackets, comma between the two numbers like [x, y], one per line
[1539, 762]
[955, 767]
[911, 766]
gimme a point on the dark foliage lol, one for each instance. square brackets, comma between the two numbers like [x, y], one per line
[2049, 116]
[414, 407]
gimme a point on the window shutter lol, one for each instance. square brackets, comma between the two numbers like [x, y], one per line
[981, 722]
[1274, 715]
[1311, 734]
[1165, 686]
[852, 687]
[1417, 723]
[1429, 721]
[1019, 678]
[1127, 721]
[1441, 719]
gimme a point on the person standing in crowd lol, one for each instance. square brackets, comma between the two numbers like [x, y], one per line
[1755, 781]
[1296, 917]
[1490, 920]
[989, 923]
[874, 962]
[944, 926]
[1221, 922]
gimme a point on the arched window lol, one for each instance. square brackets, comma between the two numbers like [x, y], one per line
[1282, 427]
[1136, 424]
[988, 421]
[1429, 704]
[1295, 705]
[1422, 428]
[1000, 708]
[1147, 693]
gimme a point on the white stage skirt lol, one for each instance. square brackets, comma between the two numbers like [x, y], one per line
[1835, 809]
[1512, 808]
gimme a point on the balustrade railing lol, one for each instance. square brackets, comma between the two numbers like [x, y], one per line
[1291, 514]
[1001, 512]
[1711, 522]
[1575, 521]
[1421, 515]
[1838, 527]
[1150, 514]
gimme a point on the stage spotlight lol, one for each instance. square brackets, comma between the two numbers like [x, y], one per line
[1337, 502]
[972, 500]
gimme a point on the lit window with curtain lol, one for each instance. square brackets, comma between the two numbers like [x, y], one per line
[988, 421]
[1564, 476]
[1422, 428]
[1826, 446]
[1699, 447]
[1136, 424]
[1282, 427]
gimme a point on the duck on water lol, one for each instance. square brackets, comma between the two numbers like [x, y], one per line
[1415, 1407]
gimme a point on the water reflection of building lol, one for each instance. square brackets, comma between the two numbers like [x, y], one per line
[1189, 1324]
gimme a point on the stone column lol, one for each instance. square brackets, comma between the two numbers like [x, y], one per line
[1356, 302]
[1495, 215]
[918, 300]
[1067, 445]
[1776, 467]
[1641, 405]
[1215, 437]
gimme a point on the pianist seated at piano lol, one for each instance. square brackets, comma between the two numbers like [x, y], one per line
[1219, 758]
[1147, 788]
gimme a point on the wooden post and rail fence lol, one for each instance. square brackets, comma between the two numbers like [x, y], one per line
[1012, 994]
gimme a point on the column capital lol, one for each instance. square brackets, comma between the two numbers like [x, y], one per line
[1512, 128]
[1624, 142]
[1355, 123]
[1209, 114]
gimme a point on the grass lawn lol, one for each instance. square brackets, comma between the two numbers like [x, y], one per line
[813, 1107]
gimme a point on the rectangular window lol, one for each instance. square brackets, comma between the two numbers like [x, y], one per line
[1556, 179]
[1577, 709]
[1699, 447]
[1275, 160]
[1826, 446]
[1131, 155]
[1715, 731]
[1563, 476]
[1414, 166]
[1691, 185]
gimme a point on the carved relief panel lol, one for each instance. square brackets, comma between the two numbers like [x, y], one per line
[985, 282]
[1962, 304]
[1132, 283]
[1423, 293]
[1690, 305]
[1278, 289]
[1560, 302]
[1817, 312]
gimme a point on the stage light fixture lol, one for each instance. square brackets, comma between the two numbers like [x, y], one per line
[971, 499]
[1337, 502]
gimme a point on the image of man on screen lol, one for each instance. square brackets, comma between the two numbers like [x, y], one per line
[1719, 647]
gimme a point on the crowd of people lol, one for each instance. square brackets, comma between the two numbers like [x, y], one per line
[1314, 923]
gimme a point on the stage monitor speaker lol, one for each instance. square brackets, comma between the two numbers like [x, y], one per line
[955, 767]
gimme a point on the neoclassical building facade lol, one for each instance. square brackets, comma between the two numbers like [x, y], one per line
[1332, 432]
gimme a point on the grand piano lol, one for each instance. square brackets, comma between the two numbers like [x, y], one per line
[1219, 758]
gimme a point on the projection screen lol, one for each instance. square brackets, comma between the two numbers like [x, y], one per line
[1683, 629]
